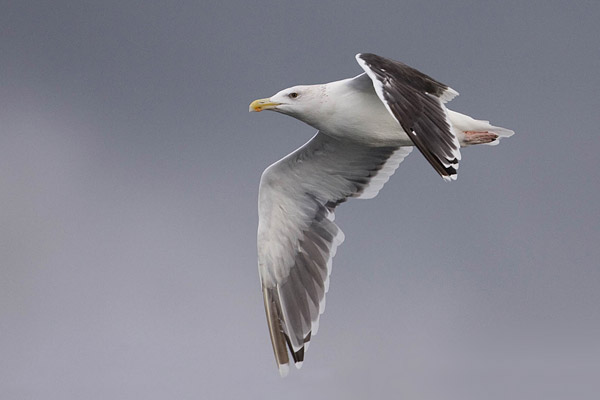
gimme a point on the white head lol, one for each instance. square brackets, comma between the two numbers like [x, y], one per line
[306, 103]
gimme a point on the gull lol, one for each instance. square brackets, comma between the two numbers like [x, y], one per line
[366, 126]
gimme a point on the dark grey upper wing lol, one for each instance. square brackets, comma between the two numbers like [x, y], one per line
[416, 101]
[297, 237]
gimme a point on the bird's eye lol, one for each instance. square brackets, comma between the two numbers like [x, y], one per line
[293, 95]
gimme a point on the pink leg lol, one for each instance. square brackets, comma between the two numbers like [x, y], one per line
[474, 137]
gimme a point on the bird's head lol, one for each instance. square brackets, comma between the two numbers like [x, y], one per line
[301, 102]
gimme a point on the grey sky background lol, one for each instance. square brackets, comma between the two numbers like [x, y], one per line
[129, 170]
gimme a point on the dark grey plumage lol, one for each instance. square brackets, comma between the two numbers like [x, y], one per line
[415, 100]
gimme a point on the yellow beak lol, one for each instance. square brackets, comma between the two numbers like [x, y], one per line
[262, 104]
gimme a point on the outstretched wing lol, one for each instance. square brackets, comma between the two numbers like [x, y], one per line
[297, 237]
[416, 102]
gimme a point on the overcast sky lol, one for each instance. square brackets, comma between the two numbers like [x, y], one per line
[129, 170]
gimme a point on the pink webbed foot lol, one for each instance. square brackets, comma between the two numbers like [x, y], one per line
[474, 137]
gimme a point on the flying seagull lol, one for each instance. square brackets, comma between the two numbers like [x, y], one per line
[366, 126]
